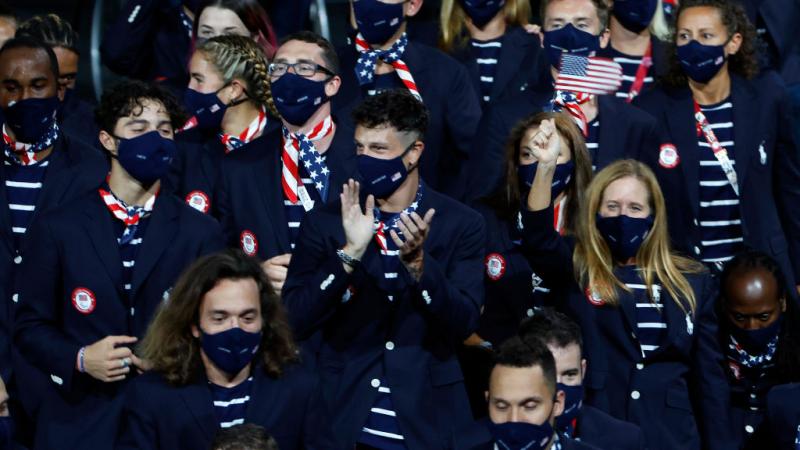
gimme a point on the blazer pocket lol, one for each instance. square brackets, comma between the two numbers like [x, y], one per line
[446, 373]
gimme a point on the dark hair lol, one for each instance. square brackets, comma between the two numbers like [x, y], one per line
[787, 355]
[396, 108]
[328, 51]
[254, 17]
[7, 11]
[744, 63]
[51, 30]
[33, 44]
[523, 352]
[247, 436]
[169, 344]
[128, 98]
[552, 328]
[603, 11]
[506, 200]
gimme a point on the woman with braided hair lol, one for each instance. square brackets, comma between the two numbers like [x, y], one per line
[229, 101]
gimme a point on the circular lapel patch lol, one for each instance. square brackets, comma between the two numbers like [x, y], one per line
[249, 242]
[593, 298]
[83, 300]
[495, 266]
[668, 156]
[199, 201]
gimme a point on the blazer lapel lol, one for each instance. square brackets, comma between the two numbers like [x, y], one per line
[607, 148]
[263, 393]
[682, 128]
[98, 224]
[160, 233]
[745, 135]
[271, 193]
[5, 214]
[197, 398]
[511, 53]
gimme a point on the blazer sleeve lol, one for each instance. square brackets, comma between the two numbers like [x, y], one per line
[484, 166]
[549, 253]
[224, 211]
[453, 293]
[37, 332]
[463, 109]
[316, 280]
[711, 389]
[137, 429]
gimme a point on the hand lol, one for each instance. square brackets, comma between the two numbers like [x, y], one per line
[142, 365]
[415, 231]
[276, 269]
[106, 361]
[546, 143]
[359, 226]
[537, 30]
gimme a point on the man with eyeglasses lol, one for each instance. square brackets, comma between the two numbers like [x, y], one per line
[264, 195]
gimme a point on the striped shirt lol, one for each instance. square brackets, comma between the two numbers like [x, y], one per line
[382, 429]
[230, 404]
[719, 219]
[385, 82]
[630, 65]
[295, 211]
[593, 140]
[23, 185]
[486, 54]
[130, 250]
[651, 330]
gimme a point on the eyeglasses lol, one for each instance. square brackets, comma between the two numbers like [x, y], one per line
[304, 69]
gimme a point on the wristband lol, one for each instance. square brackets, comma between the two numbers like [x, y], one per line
[81, 354]
[347, 259]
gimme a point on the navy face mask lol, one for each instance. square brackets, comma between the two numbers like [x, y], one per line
[378, 21]
[482, 12]
[701, 62]
[231, 350]
[569, 39]
[755, 341]
[381, 177]
[561, 178]
[573, 400]
[635, 15]
[147, 157]
[521, 435]
[624, 234]
[298, 98]
[208, 109]
[31, 118]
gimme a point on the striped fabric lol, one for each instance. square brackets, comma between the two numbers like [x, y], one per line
[129, 250]
[630, 64]
[23, 185]
[486, 54]
[230, 404]
[295, 211]
[651, 330]
[593, 140]
[720, 219]
[382, 430]
[385, 82]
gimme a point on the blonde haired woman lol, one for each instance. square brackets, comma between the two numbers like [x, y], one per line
[229, 101]
[488, 37]
[646, 313]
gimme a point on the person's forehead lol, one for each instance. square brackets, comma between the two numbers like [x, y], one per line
[627, 188]
[215, 17]
[752, 289]
[148, 109]
[232, 295]
[381, 133]
[567, 354]
[515, 383]
[295, 50]
[23, 62]
[570, 8]
[698, 17]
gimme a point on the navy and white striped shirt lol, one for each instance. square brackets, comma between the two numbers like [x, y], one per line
[630, 65]
[651, 330]
[23, 185]
[719, 219]
[230, 404]
[130, 250]
[486, 54]
[295, 211]
[385, 82]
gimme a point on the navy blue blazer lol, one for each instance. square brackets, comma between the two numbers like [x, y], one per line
[477, 436]
[625, 131]
[250, 196]
[767, 166]
[410, 341]
[520, 66]
[453, 107]
[74, 249]
[783, 417]
[148, 41]
[682, 383]
[596, 428]
[157, 415]
[780, 18]
[76, 119]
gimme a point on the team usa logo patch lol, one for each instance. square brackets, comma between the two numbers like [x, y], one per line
[249, 242]
[668, 156]
[593, 298]
[199, 201]
[495, 266]
[83, 300]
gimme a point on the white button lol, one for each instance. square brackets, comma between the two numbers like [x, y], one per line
[697, 250]
[390, 345]
[753, 396]
[326, 282]
[530, 313]
[635, 395]
[57, 380]
[633, 335]
[749, 429]
[132, 311]
[696, 223]
[18, 260]
[15, 298]
[375, 382]
[640, 366]
[426, 297]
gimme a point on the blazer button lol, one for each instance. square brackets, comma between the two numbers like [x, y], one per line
[375, 382]
[530, 312]
[18, 260]
[390, 345]
[749, 429]
[15, 298]
[697, 250]
[640, 366]
[635, 395]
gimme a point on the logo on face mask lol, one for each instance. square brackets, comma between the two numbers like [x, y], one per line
[521, 435]
[561, 178]
[147, 157]
[230, 350]
[569, 39]
[635, 15]
[381, 177]
[378, 21]
[701, 62]
[624, 234]
[482, 12]
[207, 109]
[298, 98]
[30, 119]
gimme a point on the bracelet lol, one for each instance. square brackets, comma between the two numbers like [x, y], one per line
[81, 354]
[347, 259]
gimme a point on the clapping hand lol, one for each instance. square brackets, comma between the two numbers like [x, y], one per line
[358, 224]
[415, 231]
